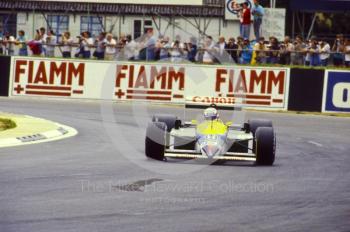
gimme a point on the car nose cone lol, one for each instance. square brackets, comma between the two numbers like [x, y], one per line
[210, 150]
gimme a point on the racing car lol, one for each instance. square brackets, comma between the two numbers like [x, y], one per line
[210, 138]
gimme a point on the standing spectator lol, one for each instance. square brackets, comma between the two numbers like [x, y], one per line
[247, 51]
[43, 37]
[164, 47]
[131, 49]
[9, 42]
[86, 45]
[299, 50]
[50, 44]
[191, 49]
[240, 47]
[286, 49]
[22, 43]
[312, 54]
[259, 52]
[100, 42]
[338, 49]
[150, 45]
[208, 50]
[36, 44]
[221, 50]
[273, 47]
[111, 47]
[246, 21]
[258, 13]
[347, 53]
[232, 49]
[325, 49]
[67, 43]
[176, 52]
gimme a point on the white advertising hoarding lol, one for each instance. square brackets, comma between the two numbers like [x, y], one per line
[261, 87]
[150, 2]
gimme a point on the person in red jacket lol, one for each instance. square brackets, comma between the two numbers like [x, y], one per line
[245, 23]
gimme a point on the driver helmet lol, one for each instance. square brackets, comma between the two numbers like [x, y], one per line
[211, 113]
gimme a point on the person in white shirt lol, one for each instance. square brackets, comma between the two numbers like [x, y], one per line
[100, 42]
[86, 44]
[67, 43]
[9, 42]
[325, 49]
[176, 52]
[347, 53]
[111, 47]
[50, 44]
[131, 49]
[208, 47]
[43, 39]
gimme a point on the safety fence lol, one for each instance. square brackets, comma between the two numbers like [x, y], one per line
[272, 88]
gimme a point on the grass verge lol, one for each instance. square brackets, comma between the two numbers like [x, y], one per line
[6, 124]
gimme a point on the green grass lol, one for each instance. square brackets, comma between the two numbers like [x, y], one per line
[6, 124]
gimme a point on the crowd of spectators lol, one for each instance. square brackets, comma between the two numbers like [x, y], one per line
[240, 50]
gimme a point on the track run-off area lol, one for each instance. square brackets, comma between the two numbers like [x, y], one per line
[100, 180]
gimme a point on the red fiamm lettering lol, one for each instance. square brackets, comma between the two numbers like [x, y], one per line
[241, 85]
[219, 78]
[257, 79]
[158, 76]
[19, 70]
[41, 75]
[75, 71]
[58, 71]
[279, 80]
[176, 76]
[120, 74]
[141, 78]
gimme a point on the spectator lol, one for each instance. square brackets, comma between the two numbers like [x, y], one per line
[232, 49]
[240, 46]
[100, 43]
[9, 42]
[258, 13]
[312, 55]
[131, 49]
[286, 48]
[111, 47]
[164, 48]
[325, 49]
[259, 52]
[246, 52]
[43, 37]
[246, 21]
[273, 47]
[208, 50]
[191, 49]
[150, 45]
[86, 44]
[67, 43]
[36, 44]
[347, 53]
[51, 42]
[338, 49]
[299, 50]
[221, 47]
[22, 43]
[176, 52]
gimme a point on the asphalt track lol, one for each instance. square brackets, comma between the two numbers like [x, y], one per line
[89, 182]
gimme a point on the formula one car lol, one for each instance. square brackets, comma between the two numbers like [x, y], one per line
[211, 138]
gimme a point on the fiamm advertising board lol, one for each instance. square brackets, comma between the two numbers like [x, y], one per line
[260, 87]
[336, 91]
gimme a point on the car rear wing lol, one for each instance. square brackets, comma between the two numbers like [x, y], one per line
[203, 102]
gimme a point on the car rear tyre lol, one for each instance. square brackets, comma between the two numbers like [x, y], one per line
[265, 146]
[168, 119]
[254, 124]
[155, 140]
